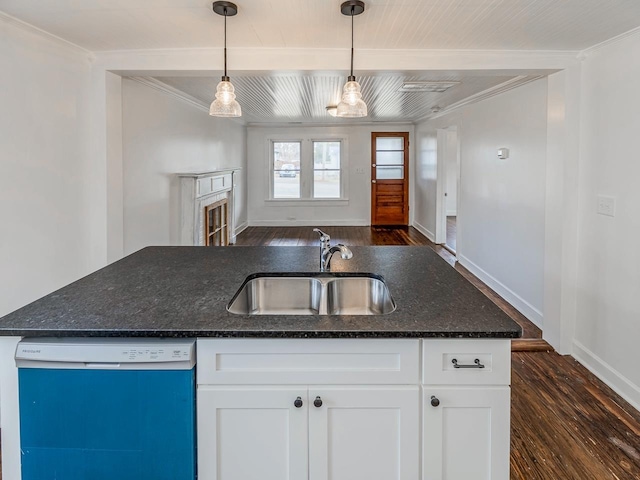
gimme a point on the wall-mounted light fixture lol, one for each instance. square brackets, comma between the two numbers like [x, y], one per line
[225, 104]
[352, 105]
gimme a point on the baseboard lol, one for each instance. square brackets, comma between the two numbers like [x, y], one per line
[609, 375]
[505, 292]
[309, 223]
[241, 228]
[425, 231]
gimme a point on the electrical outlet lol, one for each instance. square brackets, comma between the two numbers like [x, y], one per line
[360, 170]
[606, 205]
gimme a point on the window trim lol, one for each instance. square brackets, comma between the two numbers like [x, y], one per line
[307, 170]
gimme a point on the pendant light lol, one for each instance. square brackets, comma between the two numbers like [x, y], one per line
[225, 104]
[352, 105]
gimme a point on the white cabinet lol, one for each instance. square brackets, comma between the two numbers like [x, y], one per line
[320, 433]
[466, 409]
[362, 401]
[465, 433]
[364, 433]
[252, 433]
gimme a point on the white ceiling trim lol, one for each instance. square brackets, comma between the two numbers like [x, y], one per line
[488, 93]
[587, 51]
[27, 27]
[169, 90]
[296, 59]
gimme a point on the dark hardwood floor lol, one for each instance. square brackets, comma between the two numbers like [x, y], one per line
[565, 423]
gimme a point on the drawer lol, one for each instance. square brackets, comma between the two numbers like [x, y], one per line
[439, 368]
[230, 361]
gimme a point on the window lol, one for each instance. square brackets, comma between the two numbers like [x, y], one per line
[286, 169]
[307, 169]
[326, 170]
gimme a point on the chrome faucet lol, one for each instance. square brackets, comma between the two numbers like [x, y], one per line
[327, 251]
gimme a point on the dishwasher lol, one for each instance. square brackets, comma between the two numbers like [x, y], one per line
[107, 408]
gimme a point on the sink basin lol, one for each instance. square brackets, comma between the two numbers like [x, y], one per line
[312, 294]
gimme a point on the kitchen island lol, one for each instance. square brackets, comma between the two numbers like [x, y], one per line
[338, 375]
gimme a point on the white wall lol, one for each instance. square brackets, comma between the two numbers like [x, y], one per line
[162, 136]
[502, 202]
[45, 200]
[355, 211]
[608, 299]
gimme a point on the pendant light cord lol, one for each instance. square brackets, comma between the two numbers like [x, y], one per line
[352, 13]
[225, 78]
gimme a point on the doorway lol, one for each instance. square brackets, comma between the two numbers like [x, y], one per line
[390, 179]
[447, 186]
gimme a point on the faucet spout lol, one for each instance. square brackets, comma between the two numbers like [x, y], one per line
[327, 251]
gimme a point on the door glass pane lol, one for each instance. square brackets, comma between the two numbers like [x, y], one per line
[389, 173]
[326, 184]
[389, 158]
[389, 143]
[286, 169]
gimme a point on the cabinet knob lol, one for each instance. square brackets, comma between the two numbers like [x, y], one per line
[298, 402]
[434, 401]
[317, 402]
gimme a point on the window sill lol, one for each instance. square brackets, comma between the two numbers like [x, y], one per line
[307, 202]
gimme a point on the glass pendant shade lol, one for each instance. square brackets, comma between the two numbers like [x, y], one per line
[225, 104]
[351, 105]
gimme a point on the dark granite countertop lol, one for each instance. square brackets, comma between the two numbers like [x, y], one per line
[183, 292]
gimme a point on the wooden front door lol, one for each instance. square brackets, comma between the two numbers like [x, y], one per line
[390, 178]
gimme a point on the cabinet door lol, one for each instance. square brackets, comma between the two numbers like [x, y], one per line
[252, 433]
[466, 433]
[364, 433]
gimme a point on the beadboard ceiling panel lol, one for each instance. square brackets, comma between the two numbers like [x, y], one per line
[100, 25]
[303, 98]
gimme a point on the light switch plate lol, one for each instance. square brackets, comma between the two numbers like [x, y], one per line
[606, 205]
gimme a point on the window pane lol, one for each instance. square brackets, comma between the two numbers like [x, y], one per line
[326, 184]
[326, 155]
[286, 169]
[389, 143]
[286, 184]
[389, 158]
[390, 173]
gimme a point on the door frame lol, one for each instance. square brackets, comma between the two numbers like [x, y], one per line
[443, 137]
[407, 136]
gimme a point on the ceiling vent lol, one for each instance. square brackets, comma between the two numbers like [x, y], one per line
[437, 87]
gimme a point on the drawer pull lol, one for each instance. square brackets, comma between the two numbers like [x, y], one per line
[298, 402]
[476, 364]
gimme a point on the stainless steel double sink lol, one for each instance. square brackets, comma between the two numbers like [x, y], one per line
[312, 294]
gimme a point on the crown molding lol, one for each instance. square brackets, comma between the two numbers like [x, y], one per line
[32, 29]
[178, 94]
[618, 38]
[485, 94]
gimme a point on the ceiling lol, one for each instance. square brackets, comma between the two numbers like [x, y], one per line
[302, 98]
[294, 97]
[100, 25]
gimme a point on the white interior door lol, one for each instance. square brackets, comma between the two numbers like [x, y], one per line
[252, 433]
[466, 433]
[364, 433]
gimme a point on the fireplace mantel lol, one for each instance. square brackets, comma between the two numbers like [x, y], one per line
[198, 191]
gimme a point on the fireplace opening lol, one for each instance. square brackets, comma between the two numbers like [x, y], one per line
[216, 231]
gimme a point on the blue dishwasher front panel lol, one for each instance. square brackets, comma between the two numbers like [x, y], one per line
[107, 424]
